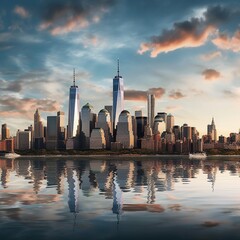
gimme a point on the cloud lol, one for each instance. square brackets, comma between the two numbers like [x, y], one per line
[211, 74]
[15, 107]
[230, 94]
[172, 108]
[176, 94]
[191, 33]
[138, 95]
[10, 86]
[212, 55]
[228, 43]
[21, 11]
[72, 16]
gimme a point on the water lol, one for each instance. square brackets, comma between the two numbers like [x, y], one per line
[135, 198]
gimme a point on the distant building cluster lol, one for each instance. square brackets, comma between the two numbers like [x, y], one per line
[114, 128]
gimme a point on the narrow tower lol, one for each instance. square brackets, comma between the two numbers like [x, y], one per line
[151, 108]
[73, 110]
[118, 97]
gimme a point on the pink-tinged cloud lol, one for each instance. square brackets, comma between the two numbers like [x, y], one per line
[72, 24]
[187, 34]
[223, 41]
[138, 95]
[176, 94]
[24, 108]
[211, 74]
[212, 55]
[72, 16]
[21, 11]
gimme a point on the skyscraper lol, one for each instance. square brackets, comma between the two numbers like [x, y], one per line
[38, 136]
[104, 122]
[118, 97]
[5, 132]
[73, 110]
[124, 130]
[52, 133]
[212, 131]
[88, 120]
[151, 108]
[61, 130]
[170, 122]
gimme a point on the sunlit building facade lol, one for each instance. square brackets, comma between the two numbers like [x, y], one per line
[151, 108]
[118, 97]
[124, 130]
[73, 110]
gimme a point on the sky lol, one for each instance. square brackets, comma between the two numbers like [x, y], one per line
[186, 52]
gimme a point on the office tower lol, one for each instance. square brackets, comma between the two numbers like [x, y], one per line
[38, 134]
[151, 108]
[159, 125]
[109, 109]
[170, 122]
[88, 120]
[104, 122]
[38, 126]
[124, 130]
[212, 131]
[97, 139]
[73, 110]
[177, 132]
[23, 140]
[141, 122]
[61, 130]
[163, 115]
[52, 133]
[118, 97]
[222, 139]
[5, 132]
[9, 145]
[186, 132]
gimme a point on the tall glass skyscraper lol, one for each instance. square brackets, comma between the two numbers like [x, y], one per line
[118, 97]
[73, 110]
[151, 109]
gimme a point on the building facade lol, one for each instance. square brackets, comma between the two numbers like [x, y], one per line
[118, 97]
[151, 108]
[73, 110]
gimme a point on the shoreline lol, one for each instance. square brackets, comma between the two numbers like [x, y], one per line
[122, 156]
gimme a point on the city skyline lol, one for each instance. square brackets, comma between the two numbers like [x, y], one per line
[188, 58]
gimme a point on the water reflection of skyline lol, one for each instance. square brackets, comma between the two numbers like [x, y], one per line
[157, 175]
[79, 194]
[111, 179]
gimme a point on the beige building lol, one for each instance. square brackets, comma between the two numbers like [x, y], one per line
[104, 122]
[97, 139]
[124, 130]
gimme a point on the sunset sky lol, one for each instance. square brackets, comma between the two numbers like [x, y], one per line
[186, 52]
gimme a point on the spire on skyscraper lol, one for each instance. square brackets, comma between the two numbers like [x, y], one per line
[74, 81]
[213, 123]
[118, 68]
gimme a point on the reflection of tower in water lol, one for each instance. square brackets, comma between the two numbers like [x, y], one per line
[6, 166]
[73, 188]
[38, 174]
[149, 173]
[117, 198]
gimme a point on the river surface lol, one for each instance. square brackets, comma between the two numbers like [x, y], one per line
[121, 198]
